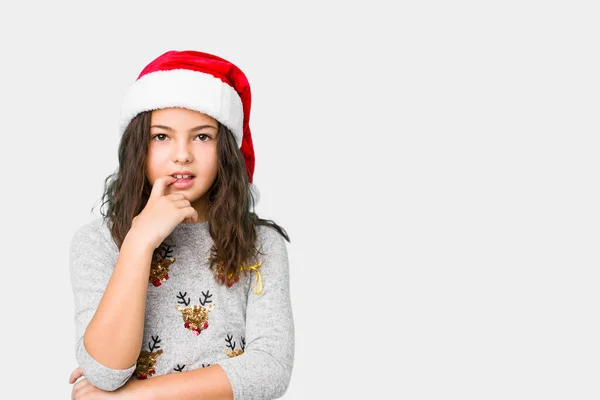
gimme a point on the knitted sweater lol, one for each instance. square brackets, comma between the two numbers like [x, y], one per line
[191, 320]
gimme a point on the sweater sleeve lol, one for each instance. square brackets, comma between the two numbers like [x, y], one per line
[264, 370]
[93, 255]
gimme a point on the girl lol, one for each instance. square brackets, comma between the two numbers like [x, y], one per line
[181, 291]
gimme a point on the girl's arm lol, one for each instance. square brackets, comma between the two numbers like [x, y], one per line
[110, 286]
[114, 335]
[110, 294]
[264, 370]
[209, 383]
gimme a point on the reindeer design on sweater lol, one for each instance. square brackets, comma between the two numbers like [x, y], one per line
[195, 317]
[231, 345]
[147, 360]
[161, 261]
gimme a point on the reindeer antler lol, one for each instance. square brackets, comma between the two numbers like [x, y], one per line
[167, 250]
[207, 297]
[228, 340]
[154, 344]
[179, 368]
[181, 297]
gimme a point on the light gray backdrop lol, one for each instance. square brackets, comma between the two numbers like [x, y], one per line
[435, 163]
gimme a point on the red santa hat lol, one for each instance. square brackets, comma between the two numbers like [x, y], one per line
[198, 81]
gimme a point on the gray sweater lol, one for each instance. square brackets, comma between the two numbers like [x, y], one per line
[191, 320]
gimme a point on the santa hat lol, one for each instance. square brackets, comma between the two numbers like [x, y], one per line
[198, 81]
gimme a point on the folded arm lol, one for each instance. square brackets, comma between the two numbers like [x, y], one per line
[108, 334]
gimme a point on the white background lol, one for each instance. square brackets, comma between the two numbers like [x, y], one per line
[436, 166]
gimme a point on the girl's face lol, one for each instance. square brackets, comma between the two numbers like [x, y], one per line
[183, 141]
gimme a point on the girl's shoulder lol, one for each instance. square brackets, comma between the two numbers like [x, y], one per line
[94, 233]
[270, 239]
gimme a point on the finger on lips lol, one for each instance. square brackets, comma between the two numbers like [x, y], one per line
[158, 188]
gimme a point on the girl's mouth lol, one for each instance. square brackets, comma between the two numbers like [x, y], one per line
[183, 183]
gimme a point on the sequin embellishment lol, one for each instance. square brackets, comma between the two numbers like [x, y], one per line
[147, 360]
[258, 285]
[159, 268]
[232, 352]
[220, 275]
[195, 318]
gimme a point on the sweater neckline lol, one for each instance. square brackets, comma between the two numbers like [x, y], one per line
[198, 225]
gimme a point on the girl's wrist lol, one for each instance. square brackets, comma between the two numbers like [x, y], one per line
[136, 389]
[137, 241]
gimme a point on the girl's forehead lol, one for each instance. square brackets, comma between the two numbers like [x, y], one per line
[176, 115]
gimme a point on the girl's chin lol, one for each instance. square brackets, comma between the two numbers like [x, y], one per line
[191, 194]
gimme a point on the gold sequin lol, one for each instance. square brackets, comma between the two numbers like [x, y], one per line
[234, 353]
[258, 285]
[159, 270]
[195, 317]
[146, 363]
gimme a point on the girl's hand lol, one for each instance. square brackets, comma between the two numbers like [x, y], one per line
[83, 390]
[78, 373]
[162, 214]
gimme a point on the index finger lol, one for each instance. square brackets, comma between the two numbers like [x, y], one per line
[158, 189]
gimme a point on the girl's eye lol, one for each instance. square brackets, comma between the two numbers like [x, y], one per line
[161, 137]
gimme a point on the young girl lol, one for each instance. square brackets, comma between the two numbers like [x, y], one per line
[181, 291]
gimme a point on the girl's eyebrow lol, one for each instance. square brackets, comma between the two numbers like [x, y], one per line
[198, 128]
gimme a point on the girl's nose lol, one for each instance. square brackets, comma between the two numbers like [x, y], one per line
[183, 153]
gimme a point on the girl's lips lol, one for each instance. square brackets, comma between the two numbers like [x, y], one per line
[183, 183]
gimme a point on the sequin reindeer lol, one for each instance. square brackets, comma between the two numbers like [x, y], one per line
[161, 261]
[232, 352]
[147, 360]
[195, 317]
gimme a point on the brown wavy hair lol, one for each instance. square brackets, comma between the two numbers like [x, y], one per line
[230, 213]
